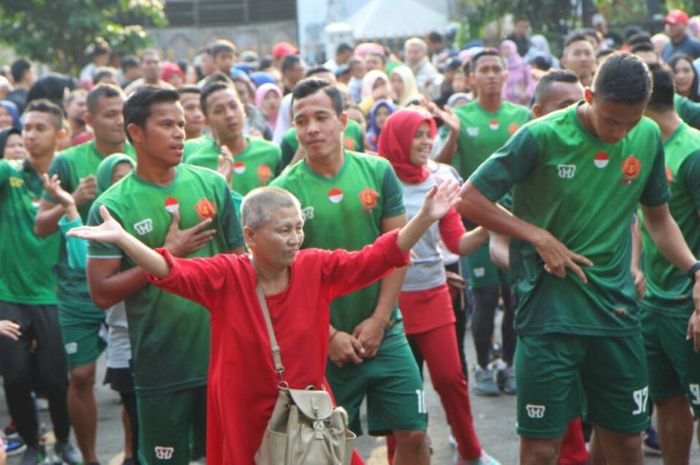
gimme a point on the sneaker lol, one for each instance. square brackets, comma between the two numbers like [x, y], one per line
[14, 445]
[485, 459]
[33, 456]
[67, 453]
[650, 442]
[484, 384]
[505, 379]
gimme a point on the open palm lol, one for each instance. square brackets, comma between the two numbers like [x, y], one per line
[109, 231]
[441, 199]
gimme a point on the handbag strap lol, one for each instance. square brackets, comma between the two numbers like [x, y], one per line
[276, 352]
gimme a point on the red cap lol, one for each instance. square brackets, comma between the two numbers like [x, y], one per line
[283, 49]
[676, 17]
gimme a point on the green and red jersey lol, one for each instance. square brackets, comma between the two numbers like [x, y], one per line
[27, 274]
[346, 212]
[256, 166]
[669, 288]
[169, 335]
[584, 192]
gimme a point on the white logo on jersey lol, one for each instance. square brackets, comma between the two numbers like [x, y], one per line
[164, 453]
[472, 132]
[566, 171]
[72, 348]
[641, 396]
[479, 272]
[144, 227]
[307, 213]
[695, 392]
[535, 411]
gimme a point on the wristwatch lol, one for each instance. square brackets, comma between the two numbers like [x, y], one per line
[693, 270]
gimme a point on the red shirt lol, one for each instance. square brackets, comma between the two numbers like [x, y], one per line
[242, 380]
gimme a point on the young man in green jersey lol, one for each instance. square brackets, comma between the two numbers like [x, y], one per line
[348, 200]
[668, 301]
[255, 162]
[28, 289]
[577, 177]
[169, 335]
[80, 319]
[479, 129]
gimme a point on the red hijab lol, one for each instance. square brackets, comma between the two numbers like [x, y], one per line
[395, 142]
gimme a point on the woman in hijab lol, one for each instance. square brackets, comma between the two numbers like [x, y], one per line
[267, 98]
[425, 301]
[380, 111]
[375, 86]
[9, 115]
[12, 145]
[519, 85]
[404, 85]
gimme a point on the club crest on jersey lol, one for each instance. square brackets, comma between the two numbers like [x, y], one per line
[35, 203]
[205, 209]
[335, 195]
[307, 213]
[472, 131]
[630, 169]
[512, 128]
[264, 173]
[143, 227]
[601, 160]
[535, 411]
[164, 453]
[349, 143]
[16, 182]
[172, 205]
[669, 174]
[493, 125]
[566, 171]
[368, 197]
[239, 167]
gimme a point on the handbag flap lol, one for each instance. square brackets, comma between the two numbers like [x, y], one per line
[313, 403]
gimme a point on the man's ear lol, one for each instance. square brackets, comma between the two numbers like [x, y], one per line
[588, 95]
[344, 120]
[136, 133]
[537, 110]
[249, 236]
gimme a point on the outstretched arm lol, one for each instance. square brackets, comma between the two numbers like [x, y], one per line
[111, 231]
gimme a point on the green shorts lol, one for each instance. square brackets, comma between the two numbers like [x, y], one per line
[550, 368]
[166, 422]
[670, 356]
[392, 384]
[481, 271]
[83, 342]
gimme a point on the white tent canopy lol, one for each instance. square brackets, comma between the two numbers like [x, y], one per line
[395, 18]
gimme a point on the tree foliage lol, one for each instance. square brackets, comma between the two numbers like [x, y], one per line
[58, 32]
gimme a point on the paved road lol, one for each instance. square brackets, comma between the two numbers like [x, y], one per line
[495, 425]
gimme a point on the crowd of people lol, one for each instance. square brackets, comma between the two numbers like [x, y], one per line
[578, 218]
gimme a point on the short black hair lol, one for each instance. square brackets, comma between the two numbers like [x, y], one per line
[575, 36]
[289, 61]
[663, 89]
[43, 105]
[99, 91]
[19, 67]
[639, 37]
[642, 47]
[189, 90]
[220, 46]
[218, 77]
[623, 78]
[310, 86]
[487, 52]
[435, 37]
[212, 87]
[590, 32]
[343, 47]
[546, 81]
[101, 73]
[129, 61]
[137, 108]
[317, 70]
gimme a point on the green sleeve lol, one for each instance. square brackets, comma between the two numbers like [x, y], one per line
[656, 190]
[4, 171]
[689, 174]
[101, 249]
[59, 166]
[76, 248]
[509, 165]
[230, 225]
[393, 194]
[354, 130]
[688, 110]
[237, 200]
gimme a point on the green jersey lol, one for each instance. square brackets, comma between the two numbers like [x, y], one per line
[169, 335]
[27, 274]
[72, 165]
[346, 212]
[584, 192]
[353, 139]
[688, 110]
[193, 145]
[668, 287]
[256, 166]
[481, 133]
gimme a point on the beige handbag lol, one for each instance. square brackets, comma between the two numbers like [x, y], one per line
[305, 428]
